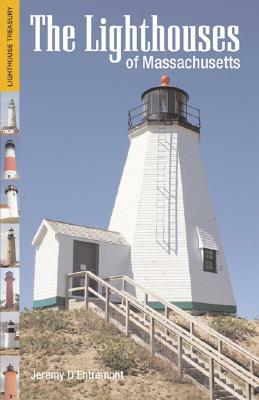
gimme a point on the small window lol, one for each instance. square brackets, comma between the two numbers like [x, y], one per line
[209, 260]
[163, 101]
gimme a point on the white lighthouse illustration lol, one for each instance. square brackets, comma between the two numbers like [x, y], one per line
[10, 161]
[11, 127]
[9, 210]
[11, 195]
[10, 336]
[163, 208]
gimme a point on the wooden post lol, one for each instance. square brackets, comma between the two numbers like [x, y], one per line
[127, 318]
[67, 294]
[220, 352]
[252, 371]
[191, 333]
[180, 357]
[86, 291]
[107, 300]
[248, 392]
[167, 317]
[252, 367]
[211, 378]
[123, 287]
[151, 334]
[145, 303]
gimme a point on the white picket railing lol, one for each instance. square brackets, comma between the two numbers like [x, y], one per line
[214, 363]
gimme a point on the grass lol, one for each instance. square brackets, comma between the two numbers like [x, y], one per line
[61, 340]
[120, 355]
[236, 329]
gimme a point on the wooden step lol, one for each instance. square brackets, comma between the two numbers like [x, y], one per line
[221, 393]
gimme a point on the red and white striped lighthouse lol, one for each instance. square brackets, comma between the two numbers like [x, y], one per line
[10, 161]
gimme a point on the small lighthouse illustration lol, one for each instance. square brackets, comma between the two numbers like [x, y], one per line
[163, 208]
[11, 251]
[10, 161]
[11, 127]
[11, 195]
[10, 391]
[10, 210]
[9, 279]
[10, 335]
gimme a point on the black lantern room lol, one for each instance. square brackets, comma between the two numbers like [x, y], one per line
[10, 144]
[10, 327]
[167, 105]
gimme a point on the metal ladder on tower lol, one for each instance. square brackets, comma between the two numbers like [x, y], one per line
[166, 196]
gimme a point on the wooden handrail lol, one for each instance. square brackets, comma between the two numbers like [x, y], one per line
[190, 318]
[223, 361]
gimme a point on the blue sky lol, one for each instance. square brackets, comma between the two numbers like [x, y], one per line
[74, 129]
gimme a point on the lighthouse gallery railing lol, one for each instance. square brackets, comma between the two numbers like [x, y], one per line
[138, 115]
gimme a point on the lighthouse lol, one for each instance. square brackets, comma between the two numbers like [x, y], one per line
[10, 391]
[163, 207]
[11, 115]
[11, 127]
[10, 335]
[11, 251]
[11, 194]
[10, 161]
[9, 279]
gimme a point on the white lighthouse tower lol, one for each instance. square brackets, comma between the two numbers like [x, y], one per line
[163, 208]
[10, 335]
[11, 194]
[11, 114]
[11, 127]
[10, 161]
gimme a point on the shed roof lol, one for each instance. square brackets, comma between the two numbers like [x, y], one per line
[206, 240]
[85, 232]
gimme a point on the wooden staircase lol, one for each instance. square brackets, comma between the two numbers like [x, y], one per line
[213, 362]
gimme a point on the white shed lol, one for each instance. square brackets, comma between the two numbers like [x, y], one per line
[62, 248]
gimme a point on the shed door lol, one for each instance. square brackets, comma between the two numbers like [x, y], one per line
[85, 258]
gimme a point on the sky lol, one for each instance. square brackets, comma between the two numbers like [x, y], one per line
[10, 315]
[74, 142]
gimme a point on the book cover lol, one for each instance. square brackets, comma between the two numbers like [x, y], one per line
[129, 200]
